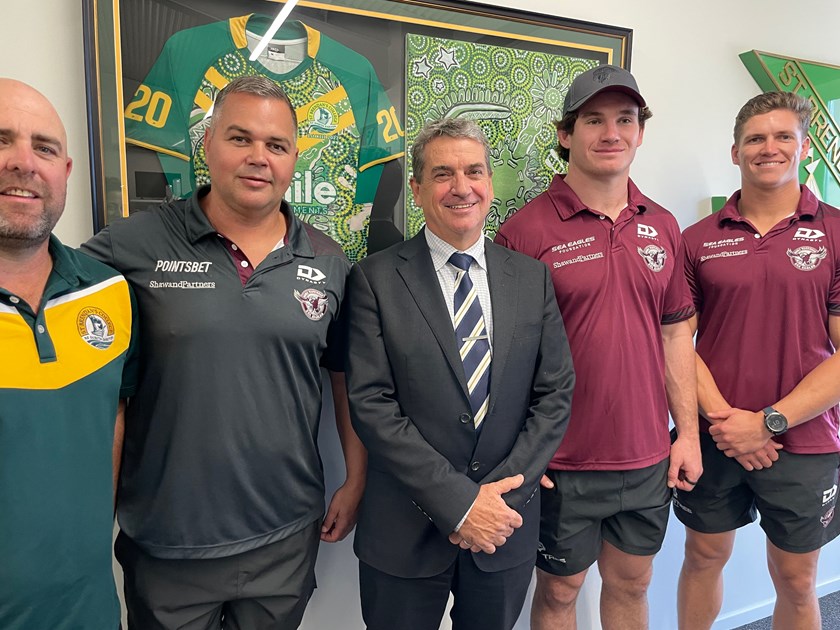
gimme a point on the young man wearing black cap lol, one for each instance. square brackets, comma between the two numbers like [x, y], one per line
[616, 262]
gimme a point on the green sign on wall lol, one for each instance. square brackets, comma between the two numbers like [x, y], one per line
[820, 84]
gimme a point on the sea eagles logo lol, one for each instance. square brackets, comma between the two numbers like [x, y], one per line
[95, 327]
[602, 75]
[825, 519]
[313, 302]
[806, 258]
[654, 256]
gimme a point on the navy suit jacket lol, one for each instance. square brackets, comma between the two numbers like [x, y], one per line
[409, 405]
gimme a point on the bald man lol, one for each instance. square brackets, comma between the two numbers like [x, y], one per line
[65, 333]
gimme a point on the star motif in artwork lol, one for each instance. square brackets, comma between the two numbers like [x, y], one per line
[446, 58]
[422, 67]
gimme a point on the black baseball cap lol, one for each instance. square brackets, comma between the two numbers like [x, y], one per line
[597, 80]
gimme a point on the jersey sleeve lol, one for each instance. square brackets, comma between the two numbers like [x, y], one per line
[381, 133]
[678, 303]
[834, 288]
[130, 372]
[690, 270]
[333, 357]
[99, 247]
[158, 116]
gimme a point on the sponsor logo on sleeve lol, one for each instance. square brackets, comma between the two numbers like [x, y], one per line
[95, 327]
[806, 258]
[313, 302]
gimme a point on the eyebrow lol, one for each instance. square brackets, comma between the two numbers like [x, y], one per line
[623, 112]
[38, 137]
[449, 169]
[248, 132]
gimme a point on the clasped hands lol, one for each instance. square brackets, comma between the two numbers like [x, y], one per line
[490, 522]
[741, 434]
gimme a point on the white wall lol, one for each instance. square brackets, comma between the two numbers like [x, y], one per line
[685, 57]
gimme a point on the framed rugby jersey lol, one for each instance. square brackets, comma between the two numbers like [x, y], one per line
[154, 68]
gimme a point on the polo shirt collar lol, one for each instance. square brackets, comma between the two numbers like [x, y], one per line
[568, 204]
[807, 207]
[198, 226]
[64, 264]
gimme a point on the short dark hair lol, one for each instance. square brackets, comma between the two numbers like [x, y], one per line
[771, 101]
[448, 128]
[257, 85]
[567, 124]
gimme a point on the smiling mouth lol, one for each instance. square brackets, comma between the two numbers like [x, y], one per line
[461, 206]
[774, 163]
[19, 192]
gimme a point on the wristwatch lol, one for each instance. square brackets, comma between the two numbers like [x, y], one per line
[775, 422]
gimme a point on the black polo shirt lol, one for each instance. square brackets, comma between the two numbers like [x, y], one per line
[221, 449]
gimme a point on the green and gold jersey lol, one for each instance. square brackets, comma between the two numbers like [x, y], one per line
[348, 127]
[63, 371]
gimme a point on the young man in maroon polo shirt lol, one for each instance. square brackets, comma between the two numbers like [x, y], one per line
[615, 258]
[765, 276]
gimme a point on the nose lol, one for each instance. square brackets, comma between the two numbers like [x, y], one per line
[258, 153]
[769, 146]
[20, 157]
[610, 131]
[460, 185]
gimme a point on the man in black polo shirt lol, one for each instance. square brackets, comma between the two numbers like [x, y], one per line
[221, 493]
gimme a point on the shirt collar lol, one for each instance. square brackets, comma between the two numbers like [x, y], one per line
[198, 226]
[567, 203]
[441, 250]
[807, 207]
[64, 265]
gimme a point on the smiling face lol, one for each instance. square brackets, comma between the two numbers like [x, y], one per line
[770, 149]
[34, 166]
[605, 137]
[454, 190]
[251, 149]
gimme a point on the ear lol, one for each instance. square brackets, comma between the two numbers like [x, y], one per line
[415, 189]
[208, 135]
[69, 166]
[641, 136]
[735, 159]
[806, 146]
[564, 138]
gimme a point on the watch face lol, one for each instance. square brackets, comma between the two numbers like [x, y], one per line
[775, 423]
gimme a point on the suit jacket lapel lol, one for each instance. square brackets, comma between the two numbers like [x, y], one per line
[419, 275]
[503, 299]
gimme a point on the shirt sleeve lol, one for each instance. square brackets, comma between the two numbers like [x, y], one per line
[678, 304]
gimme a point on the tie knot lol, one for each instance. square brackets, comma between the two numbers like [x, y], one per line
[462, 261]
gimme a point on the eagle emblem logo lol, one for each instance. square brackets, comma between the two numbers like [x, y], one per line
[654, 256]
[313, 302]
[806, 258]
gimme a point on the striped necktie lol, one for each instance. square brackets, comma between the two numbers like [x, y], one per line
[472, 338]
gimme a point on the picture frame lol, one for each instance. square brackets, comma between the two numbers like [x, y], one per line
[486, 51]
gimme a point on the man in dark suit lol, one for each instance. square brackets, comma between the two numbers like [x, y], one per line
[460, 381]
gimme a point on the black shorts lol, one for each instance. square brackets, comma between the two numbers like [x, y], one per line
[267, 587]
[627, 508]
[796, 498]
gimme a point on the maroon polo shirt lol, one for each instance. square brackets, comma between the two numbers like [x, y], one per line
[764, 304]
[616, 284]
